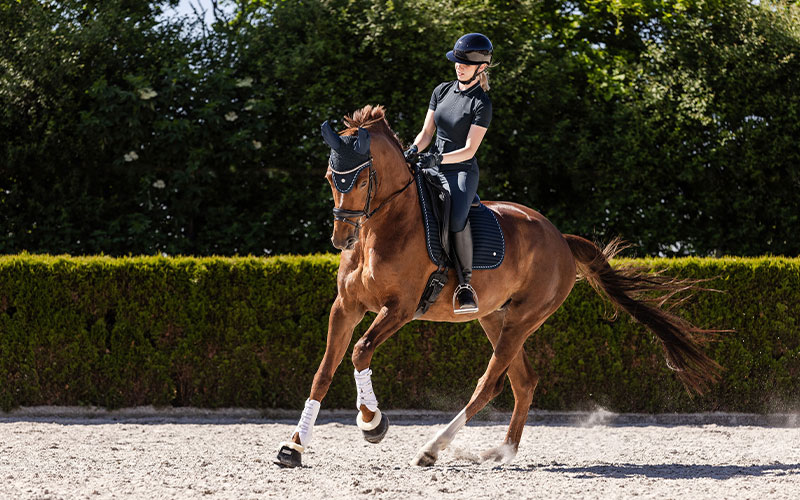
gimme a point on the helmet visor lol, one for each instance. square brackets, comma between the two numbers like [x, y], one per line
[470, 57]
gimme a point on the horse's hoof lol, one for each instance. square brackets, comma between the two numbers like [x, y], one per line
[377, 434]
[375, 429]
[288, 457]
[424, 459]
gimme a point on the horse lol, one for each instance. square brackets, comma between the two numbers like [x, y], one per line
[384, 266]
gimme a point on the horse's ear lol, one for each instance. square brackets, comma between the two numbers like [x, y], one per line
[331, 137]
[361, 146]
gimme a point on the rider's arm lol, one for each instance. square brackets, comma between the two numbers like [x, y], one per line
[474, 139]
[426, 134]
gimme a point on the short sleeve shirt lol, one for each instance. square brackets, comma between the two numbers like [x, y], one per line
[455, 111]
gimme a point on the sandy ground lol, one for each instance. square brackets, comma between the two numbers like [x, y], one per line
[147, 453]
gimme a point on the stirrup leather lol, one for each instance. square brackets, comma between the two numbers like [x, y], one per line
[460, 310]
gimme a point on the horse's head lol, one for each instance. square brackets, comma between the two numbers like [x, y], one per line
[355, 160]
[350, 157]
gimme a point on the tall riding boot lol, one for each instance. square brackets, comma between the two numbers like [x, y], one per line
[465, 300]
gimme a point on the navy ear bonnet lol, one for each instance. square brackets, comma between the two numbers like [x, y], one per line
[349, 156]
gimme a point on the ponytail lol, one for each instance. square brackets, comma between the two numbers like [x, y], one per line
[483, 79]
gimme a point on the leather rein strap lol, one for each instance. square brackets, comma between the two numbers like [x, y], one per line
[345, 215]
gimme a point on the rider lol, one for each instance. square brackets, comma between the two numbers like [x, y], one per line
[460, 112]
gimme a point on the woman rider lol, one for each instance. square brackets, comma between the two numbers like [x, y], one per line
[460, 112]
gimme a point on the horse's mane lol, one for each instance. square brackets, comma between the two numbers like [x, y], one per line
[372, 118]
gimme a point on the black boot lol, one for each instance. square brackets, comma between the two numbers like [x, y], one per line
[465, 300]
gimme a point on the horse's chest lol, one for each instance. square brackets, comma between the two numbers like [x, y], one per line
[351, 282]
[358, 278]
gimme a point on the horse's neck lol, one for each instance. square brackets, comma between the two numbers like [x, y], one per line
[391, 248]
[396, 224]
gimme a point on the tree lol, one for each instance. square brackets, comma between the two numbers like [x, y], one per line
[668, 122]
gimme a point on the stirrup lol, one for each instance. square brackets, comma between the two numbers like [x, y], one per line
[465, 309]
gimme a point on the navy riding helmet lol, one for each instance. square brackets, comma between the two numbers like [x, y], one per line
[473, 49]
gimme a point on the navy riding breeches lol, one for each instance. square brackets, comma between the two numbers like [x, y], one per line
[462, 184]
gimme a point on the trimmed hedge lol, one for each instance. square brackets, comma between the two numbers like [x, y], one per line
[250, 332]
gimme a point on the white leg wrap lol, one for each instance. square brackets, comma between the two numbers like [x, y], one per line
[366, 396]
[427, 454]
[305, 427]
[368, 426]
[445, 436]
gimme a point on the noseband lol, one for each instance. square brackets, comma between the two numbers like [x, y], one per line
[353, 217]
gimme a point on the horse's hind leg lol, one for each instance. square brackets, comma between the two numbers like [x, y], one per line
[523, 382]
[509, 343]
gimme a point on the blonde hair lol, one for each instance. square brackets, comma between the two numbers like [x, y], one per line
[483, 79]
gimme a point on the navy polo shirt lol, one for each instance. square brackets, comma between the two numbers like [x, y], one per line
[455, 111]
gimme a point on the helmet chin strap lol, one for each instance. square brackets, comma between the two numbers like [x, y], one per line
[467, 82]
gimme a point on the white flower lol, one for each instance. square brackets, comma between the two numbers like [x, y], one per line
[256, 144]
[245, 82]
[146, 93]
[250, 103]
[159, 184]
[231, 116]
[132, 156]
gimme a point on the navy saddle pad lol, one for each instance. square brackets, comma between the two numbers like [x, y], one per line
[489, 246]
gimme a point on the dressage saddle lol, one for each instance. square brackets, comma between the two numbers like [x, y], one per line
[487, 235]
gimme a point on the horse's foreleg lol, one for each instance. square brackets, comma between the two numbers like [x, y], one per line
[341, 322]
[370, 420]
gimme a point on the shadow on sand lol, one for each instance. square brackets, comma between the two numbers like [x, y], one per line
[677, 471]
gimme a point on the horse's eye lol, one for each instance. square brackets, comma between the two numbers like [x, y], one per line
[363, 184]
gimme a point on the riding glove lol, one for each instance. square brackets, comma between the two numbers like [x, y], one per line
[430, 160]
[411, 152]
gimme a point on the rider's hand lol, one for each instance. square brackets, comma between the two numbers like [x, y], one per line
[430, 160]
[411, 152]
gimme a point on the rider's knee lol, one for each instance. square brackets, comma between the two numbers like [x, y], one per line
[458, 221]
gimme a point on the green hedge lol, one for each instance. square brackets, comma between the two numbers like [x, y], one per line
[217, 332]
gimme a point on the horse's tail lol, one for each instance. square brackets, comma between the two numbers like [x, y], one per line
[625, 287]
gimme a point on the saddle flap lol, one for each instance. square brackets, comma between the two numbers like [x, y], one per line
[487, 235]
[439, 198]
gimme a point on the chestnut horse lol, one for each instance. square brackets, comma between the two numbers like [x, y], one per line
[384, 267]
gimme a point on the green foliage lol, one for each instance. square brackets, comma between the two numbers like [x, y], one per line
[671, 123]
[128, 133]
[219, 332]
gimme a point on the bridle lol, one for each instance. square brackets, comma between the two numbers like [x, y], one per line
[354, 217]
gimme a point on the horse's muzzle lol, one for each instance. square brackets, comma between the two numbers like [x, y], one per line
[346, 243]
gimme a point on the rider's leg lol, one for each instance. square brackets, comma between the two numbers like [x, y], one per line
[466, 298]
[463, 186]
